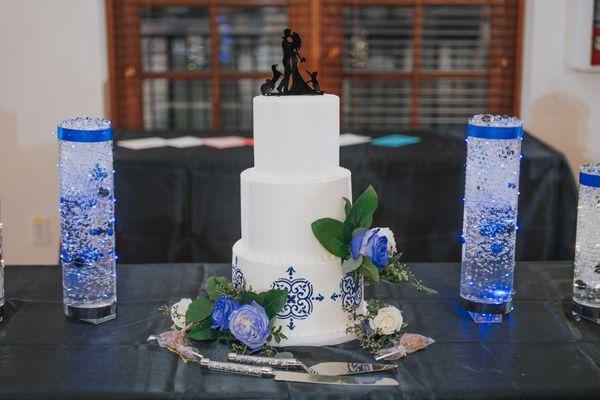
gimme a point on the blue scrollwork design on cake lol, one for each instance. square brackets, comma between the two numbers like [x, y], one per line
[300, 300]
[300, 292]
[238, 280]
[351, 292]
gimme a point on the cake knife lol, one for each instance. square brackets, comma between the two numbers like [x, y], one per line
[325, 368]
[266, 372]
[286, 376]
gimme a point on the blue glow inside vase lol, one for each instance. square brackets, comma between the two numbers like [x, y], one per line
[586, 279]
[490, 216]
[87, 220]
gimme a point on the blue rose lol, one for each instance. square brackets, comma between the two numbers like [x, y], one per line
[372, 244]
[250, 325]
[221, 312]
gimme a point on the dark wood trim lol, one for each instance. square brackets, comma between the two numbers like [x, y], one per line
[416, 66]
[520, 37]
[215, 67]
[361, 3]
[315, 27]
[422, 75]
[208, 74]
[208, 3]
[137, 51]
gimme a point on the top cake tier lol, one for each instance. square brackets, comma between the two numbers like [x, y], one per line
[296, 135]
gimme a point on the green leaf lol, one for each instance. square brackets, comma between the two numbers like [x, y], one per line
[351, 264]
[249, 297]
[369, 270]
[273, 301]
[347, 206]
[395, 258]
[361, 212]
[426, 290]
[211, 285]
[199, 310]
[202, 331]
[333, 235]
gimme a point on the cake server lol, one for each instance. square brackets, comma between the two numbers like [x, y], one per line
[190, 354]
[287, 376]
[325, 368]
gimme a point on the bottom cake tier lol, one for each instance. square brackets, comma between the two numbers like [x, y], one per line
[321, 298]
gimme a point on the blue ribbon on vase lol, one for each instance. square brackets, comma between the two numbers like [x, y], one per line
[495, 132]
[86, 136]
[589, 180]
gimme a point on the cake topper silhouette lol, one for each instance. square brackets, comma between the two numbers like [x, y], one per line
[292, 82]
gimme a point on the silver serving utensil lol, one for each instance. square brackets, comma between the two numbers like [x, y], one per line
[286, 376]
[325, 368]
[268, 372]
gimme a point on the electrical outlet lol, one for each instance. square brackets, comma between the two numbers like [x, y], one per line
[39, 230]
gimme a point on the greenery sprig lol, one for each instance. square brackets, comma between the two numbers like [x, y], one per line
[360, 247]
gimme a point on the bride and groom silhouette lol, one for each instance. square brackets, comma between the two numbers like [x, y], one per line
[292, 82]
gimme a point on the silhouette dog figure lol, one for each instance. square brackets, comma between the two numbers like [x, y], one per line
[267, 87]
[314, 81]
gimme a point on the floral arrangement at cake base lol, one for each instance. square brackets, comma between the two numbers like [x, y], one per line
[378, 331]
[363, 250]
[243, 317]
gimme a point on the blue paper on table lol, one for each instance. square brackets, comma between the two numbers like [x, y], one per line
[395, 140]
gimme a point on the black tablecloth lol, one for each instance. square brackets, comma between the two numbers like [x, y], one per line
[537, 353]
[183, 205]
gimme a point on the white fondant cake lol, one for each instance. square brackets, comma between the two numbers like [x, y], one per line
[295, 181]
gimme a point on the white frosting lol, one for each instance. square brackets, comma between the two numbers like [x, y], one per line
[296, 135]
[296, 180]
[327, 322]
[277, 216]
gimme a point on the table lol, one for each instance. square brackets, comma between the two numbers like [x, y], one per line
[183, 205]
[538, 353]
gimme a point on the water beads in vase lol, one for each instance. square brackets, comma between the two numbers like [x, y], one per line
[87, 219]
[490, 216]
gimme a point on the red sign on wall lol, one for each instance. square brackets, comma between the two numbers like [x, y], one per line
[596, 45]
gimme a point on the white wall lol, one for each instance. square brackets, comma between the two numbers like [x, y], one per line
[53, 65]
[559, 104]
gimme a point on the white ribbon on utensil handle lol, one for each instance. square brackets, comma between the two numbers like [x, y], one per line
[408, 343]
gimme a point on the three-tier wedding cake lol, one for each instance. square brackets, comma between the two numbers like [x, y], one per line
[295, 181]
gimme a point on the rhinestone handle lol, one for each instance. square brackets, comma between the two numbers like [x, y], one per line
[265, 361]
[264, 372]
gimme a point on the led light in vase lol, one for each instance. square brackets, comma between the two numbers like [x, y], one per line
[87, 219]
[586, 281]
[490, 216]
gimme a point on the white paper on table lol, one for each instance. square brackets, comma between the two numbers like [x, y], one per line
[144, 143]
[349, 139]
[225, 142]
[185, 141]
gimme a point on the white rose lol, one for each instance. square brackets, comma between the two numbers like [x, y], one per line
[178, 311]
[391, 245]
[388, 320]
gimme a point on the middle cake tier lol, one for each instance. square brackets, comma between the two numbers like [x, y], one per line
[277, 212]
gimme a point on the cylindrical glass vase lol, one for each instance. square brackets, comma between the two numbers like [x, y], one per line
[87, 219]
[490, 216]
[586, 281]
